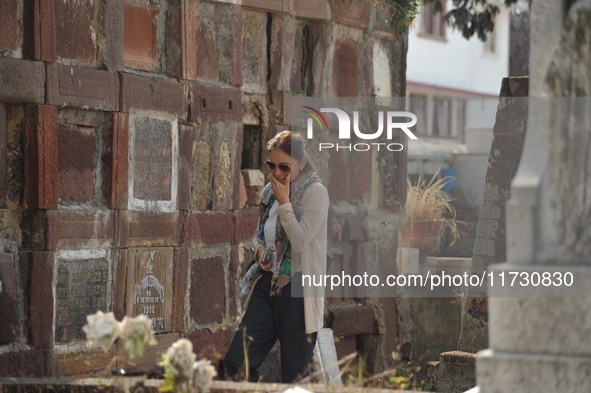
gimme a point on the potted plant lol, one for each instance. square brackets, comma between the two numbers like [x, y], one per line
[134, 333]
[429, 214]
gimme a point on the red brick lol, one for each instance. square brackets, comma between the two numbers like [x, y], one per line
[311, 9]
[351, 12]
[212, 346]
[245, 223]
[138, 229]
[39, 21]
[233, 268]
[189, 40]
[181, 266]
[9, 24]
[237, 46]
[82, 88]
[207, 58]
[185, 162]
[39, 295]
[338, 182]
[113, 18]
[215, 104]
[119, 282]
[139, 92]
[33, 364]
[208, 291]
[345, 69]
[3, 153]
[349, 321]
[41, 169]
[84, 364]
[9, 312]
[116, 160]
[238, 187]
[140, 37]
[345, 346]
[208, 228]
[74, 32]
[76, 148]
[22, 81]
[80, 229]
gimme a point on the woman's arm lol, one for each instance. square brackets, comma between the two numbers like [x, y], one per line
[315, 207]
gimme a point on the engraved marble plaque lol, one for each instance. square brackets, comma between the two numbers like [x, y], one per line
[154, 156]
[82, 287]
[149, 285]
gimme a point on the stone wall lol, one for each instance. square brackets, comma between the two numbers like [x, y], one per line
[131, 137]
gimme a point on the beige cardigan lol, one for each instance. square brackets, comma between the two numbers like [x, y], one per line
[308, 240]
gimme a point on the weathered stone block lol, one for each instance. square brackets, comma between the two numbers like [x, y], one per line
[39, 41]
[215, 104]
[181, 37]
[208, 228]
[201, 182]
[153, 175]
[253, 177]
[149, 285]
[3, 154]
[349, 321]
[267, 5]
[140, 36]
[139, 229]
[119, 282]
[283, 29]
[113, 19]
[184, 167]
[311, 9]
[361, 176]
[238, 189]
[338, 182]
[75, 30]
[345, 346]
[76, 148]
[81, 229]
[501, 173]
[9, 25]
[253, 195]
[495, 191]
[41, 166]
[82, 88]
[207, 58]
[208, 282]
[181, 266]
[490, 210]
[351, 12]
[39, 295]
[81, 288]
[138, 92]
[345, 70]
[212, 346]
[245, 223]
[22, 81]
[254, 48]
[242, 197]
[9, 310]
[237, 46]
[506, 148]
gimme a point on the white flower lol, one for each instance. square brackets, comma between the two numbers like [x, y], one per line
[180, 359]
[203, 373]
[102, 330]
[136, 333]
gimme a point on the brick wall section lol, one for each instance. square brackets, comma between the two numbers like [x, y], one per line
[67, 153]
[505, 153]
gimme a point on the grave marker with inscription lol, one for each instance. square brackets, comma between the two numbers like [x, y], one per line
[149, 285]
[82, 287]
[154, 155]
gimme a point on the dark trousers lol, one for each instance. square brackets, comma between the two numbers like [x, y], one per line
[267, 319]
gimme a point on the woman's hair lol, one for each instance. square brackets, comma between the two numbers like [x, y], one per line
[293, 144]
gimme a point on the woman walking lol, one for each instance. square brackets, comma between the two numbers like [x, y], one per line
[290, 240]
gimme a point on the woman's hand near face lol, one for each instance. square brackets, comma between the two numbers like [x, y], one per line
[281, 191]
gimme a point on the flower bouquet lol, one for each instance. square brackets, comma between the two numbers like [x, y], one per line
[182, 373]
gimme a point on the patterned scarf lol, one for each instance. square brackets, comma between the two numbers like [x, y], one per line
[281, 275]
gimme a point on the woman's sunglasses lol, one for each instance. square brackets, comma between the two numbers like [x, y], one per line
[282, 167]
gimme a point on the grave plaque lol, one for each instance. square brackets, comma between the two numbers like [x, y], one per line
[149, 285]
[82, 288]
[154, 156]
